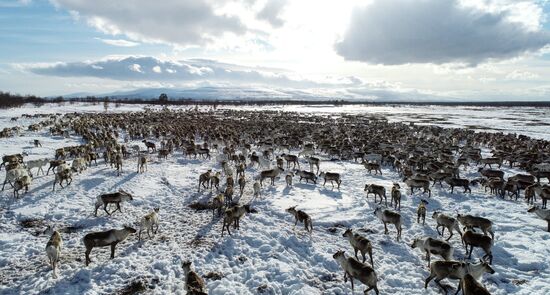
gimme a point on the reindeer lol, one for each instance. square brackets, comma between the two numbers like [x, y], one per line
[288, 178]
[396, 196]
[434, 246]
[377, 190]
[452, 181]
[542, 191]
[456, 270]
[215, 181]
[142, 164]
[270, 174]
[204, 153]
[357, 270]
[112, 198]
[544, 214]
[228, 194]
[419, 183]
[331, 177]
[370, 166]
[313, 162]
[234, 215]
[16, 158]
[469, 221]
[421, 211]
[256, 187]
[150, 223]
[301, 216]
[150, 146]
[204, 179]
[240, 169]
[307, 176]
[445, 221]
[472, 239]
[387, 216]
[279, 161]
[359, 243]
[291, 159]
[242, 183]
[118, 161]
[105, 238]
[53, 248]
[79, 164]
[13, 175]
[194, 284]
[63, 174]
[491, 173]
[490, 161]
[54, 164]
[37, 164]
[163, 154]
[217, 204]
[20, 183]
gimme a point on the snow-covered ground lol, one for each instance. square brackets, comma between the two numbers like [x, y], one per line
[266, 256]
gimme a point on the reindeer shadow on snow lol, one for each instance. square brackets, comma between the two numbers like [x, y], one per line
[90, 183]
[333, 193]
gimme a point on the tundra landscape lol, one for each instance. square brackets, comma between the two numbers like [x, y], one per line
[257, 200]
[278, 147]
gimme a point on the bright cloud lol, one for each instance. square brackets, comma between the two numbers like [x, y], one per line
[118, 42]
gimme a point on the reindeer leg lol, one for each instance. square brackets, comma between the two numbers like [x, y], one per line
[105, 208]
[428, 279]
[437, 281]
[113, 246]
[87, 254]
[385, 228]
[451, 231]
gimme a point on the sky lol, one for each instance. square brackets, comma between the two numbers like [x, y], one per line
[378, 50]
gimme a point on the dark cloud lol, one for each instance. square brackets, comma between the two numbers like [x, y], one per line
[394, 32]
[271, 12]
[152, 69]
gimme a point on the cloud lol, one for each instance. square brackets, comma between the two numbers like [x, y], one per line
[118, 42]
[271, 12]
[210, 78]
[398, 32]
[145, 68]
[521, 76]
[172, 21]
[134, 68]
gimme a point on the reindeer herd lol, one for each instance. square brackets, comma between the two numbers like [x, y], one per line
[422, 156]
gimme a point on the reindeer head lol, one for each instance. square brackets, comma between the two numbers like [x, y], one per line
[186, 265]
[415, 242]
[49, 230]
[126, 194]
[339, 255]
[291, 210]
[348, 233]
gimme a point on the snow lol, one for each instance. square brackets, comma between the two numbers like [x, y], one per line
[266, 255]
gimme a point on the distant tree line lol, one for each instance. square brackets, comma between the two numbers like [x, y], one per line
[10, 100]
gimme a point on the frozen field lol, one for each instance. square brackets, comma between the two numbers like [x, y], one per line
[266, 256]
